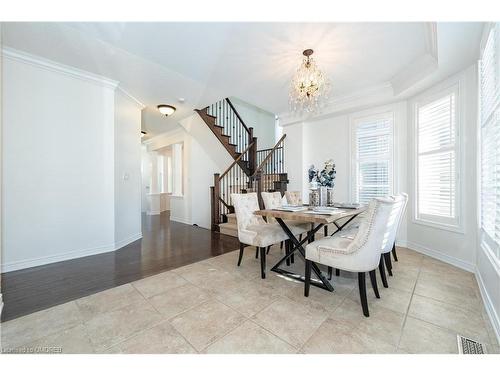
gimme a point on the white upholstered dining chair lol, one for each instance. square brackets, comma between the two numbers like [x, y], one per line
[274, 200]
[293, 198]
[400, 201]
[358, 253]
[253, 230]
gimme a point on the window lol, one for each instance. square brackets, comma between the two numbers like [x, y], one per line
[373, 157]
[436, 159]
[490, 141]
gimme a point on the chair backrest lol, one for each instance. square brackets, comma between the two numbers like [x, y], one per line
[293, 198]
[244, 206]
[394, 221]
[374, 231]
[271, 200]
[403, 209]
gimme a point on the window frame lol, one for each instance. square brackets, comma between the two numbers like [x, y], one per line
[488, 244]
[455, 225]
[354, 122]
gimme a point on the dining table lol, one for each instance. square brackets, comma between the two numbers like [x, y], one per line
[340, 218]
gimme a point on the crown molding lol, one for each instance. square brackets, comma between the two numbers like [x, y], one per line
[373, 95]
[131, 97]
[431, 44]
[53, 66]
[422, 66]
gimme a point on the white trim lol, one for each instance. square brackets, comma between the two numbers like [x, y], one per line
[376, 95]
[128, 240]
[131, 97]
[53, 66]
[420, 101]
[467, 266]
[431, 39]
[488, 305]
[27, 263]
[181, 220]
[379, 112]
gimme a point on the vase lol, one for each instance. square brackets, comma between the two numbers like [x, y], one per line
[323, 196]
[314, 197]
[329, 196]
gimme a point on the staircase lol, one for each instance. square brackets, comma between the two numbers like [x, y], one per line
[251, 171]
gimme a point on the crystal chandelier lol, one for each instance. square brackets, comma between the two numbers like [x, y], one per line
[309, 88]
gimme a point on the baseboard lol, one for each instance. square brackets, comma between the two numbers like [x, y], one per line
[18, 265]
[488, 304]
[180, 220]
[441, 256]
[126, 241]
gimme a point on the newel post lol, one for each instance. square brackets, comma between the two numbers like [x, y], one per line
[215, 202]
[252, 157]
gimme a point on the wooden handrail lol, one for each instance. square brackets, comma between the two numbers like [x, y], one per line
[237, 115]
[268, 155]
[236, 161]
[268, 149]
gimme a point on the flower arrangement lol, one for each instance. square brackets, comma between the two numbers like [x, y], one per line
[324, 178]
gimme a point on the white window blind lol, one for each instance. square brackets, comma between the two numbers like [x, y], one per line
[437, 148]
[490, 141]
[373, 154]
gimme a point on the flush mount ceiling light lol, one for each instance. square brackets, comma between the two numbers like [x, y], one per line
[309, 88]
[166, 109]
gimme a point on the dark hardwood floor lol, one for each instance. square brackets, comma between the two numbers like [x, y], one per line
[165, 245]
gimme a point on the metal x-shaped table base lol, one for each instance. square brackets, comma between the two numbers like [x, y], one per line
[321, 281]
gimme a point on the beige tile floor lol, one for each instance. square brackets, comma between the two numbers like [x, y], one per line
[215, 307]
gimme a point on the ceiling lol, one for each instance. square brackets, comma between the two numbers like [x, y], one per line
[203, 62]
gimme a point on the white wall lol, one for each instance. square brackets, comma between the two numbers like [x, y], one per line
[127, 170]
[458, 248]
[59, 164]
[146, 166]
[262, 122]
[202, 155]
[314, 142]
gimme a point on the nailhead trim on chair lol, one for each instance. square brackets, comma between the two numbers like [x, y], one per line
[325, 250]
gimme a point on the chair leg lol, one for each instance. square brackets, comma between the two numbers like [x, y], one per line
[256, 252]
[307, 283]
[337, 272]
[330, 272]
[383, 276]
[388, 263]
[281, 245]
[300, 237]
[268, 248]
[394, 252]
[373, 279]
[325, 228]
[263, 262]
[240, 257]
[362, 293]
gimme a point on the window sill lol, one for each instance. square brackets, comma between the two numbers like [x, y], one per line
[433, 224]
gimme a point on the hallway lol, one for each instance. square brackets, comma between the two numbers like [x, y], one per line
[165, 245]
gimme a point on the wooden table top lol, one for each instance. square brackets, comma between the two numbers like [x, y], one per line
[311, 217]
